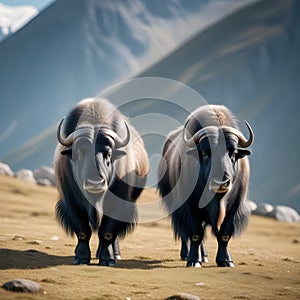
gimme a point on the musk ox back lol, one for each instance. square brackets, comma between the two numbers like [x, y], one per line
[101, 167]
[204, 175]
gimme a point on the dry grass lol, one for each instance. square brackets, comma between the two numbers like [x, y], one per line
[267, 257]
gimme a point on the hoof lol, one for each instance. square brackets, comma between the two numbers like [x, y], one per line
[194, 264]
[107, 262]
[226, 264]
[81, 261]
[118, 257]
[204, 259]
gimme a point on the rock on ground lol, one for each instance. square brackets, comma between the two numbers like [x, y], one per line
[5, 169]
[263, 209]
[44, 175]
[252, 205]
[183, 296]
[22, 285]
[285, 214]
[26, 175]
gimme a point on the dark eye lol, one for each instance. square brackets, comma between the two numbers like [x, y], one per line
[107, 155]
[233, 155]
[206, 154]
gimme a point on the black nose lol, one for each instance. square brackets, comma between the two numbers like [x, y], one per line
[220, 186]
[94, 186]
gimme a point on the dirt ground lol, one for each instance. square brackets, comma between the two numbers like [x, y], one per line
[34, 247]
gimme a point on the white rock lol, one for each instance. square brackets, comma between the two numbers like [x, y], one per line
[45, 182]
[26, 175]
[285, 214]
[252, 205]
[5, 169]
[44, 173]
[263, 209]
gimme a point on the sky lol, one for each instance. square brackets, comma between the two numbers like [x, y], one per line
[39, 4]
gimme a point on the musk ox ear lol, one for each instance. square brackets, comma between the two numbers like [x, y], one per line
[242, 153]
[67, 152]
[118, 154]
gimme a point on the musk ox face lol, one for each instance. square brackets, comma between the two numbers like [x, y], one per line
[92, 163]
[218, 149]
[217, 159]
[92, 151]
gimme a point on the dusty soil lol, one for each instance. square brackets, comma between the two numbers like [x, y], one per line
[34, 247]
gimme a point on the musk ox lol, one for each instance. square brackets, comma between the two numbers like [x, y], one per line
[204, 175]
[101, 167]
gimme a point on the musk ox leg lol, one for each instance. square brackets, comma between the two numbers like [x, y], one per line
[82, 250]
[116, 250]
[184, 249]
[76, 221]
[204, 254]
[105, 252]
[185, 246]
[194, 258]
[223, 258]
[108, 238]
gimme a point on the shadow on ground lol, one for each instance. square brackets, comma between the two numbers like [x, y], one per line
[30, 259]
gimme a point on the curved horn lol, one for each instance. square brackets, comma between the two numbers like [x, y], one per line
[244, 143]
[122, 143]
[197, 137]
[189, 142]
[242, 140]
[64, 141]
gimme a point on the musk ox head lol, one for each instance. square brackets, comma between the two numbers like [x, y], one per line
[92, 150]
[218, 150]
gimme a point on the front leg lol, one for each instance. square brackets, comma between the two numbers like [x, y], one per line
[105, 251]
[223, 258]
[194, 258]
[116, 249]
[184, 249]
[82, 250]
[185, 246]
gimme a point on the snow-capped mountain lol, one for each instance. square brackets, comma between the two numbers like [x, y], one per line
[13, 18]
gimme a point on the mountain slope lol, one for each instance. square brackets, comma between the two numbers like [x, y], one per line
[250, 62]
[73, 49]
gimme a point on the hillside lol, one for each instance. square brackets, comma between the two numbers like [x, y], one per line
[74, 49]
[32, 246]
[250, 63]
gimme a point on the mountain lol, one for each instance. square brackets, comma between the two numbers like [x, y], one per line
[250, 62]
[73, 49]
[13, 18]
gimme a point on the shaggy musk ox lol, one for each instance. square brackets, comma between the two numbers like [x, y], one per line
[204, 174]
[101, 167]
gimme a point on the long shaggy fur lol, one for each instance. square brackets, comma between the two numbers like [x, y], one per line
[73, 211]
[176, 162]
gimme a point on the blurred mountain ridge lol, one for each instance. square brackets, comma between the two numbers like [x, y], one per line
[248, 61]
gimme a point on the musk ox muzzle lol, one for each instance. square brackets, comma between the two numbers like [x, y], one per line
[95, 186]
[220, 186]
